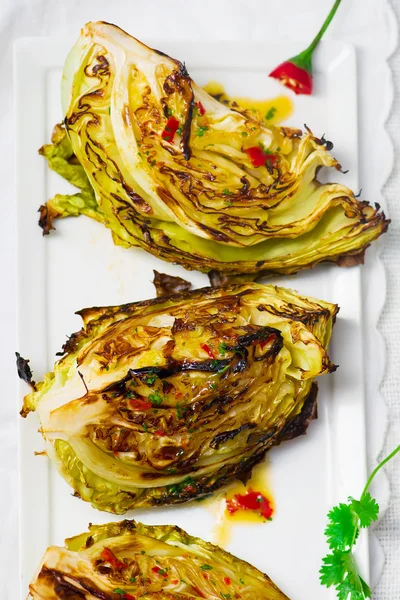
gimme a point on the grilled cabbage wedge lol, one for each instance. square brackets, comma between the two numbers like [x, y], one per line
[194, 196]
[166, 400]
[130, 560]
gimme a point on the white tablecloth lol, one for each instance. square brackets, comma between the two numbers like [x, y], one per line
[357, 21]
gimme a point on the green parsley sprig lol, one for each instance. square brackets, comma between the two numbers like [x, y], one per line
[339, 567]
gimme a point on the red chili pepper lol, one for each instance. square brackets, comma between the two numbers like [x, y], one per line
[159, 432]
[129, 597]
[159, 571]
[296, 73]
[258, 157]
[138, 404]
[170, 129]
[178, 394]
[202, 110]
[207, 349]
[174, 581]
[267, 341]
[227, 581]
[189, 488]
[108, 556]
[251, 500]
[294, 77]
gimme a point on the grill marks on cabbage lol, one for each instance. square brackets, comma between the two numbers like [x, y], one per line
[174, 419]
[178, 81]
[101, 69]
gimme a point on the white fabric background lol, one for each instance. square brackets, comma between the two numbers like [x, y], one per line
[206, 19]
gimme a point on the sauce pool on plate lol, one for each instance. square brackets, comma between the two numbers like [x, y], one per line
[272, 111]
[242, 504]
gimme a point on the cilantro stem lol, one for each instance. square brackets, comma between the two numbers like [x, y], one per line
[379, 467]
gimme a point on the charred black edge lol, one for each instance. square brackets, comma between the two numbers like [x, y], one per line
[168, 285]
[64, 588]
[299, 424]
[46, 218]
[72, 343]
[24, 370]
[185, 138]
[221, 438]
[83, 381]
[208, 366]
[203, 293]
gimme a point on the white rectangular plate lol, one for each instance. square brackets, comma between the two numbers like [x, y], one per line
[78, 266]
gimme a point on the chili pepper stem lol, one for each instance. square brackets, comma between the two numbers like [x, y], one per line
[321, 32]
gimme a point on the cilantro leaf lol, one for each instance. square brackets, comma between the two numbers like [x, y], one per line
[353, 577]
[332, 571]
[340, 530]
[348, 591]
[367, 509]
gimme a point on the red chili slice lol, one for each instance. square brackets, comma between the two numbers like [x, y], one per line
[170, 129]
[129, 597]
[267, 341]
[189, 488]
[108, 556]
[207, 349]
[251, 500]
[159, 432]
[202, 110]
[227, 581]
[138, 404]
[159, 571]
[258, 157]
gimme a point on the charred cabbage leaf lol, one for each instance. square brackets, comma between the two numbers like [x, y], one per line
[174, 171]
[130, 560]
[166, 400]
[167, 285]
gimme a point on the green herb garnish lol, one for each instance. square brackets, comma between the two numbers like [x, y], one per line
[339, 568]
[155, 398]
[222, 348]
[270, 113]
[201, 130]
